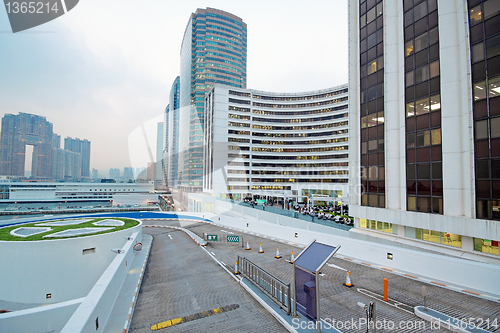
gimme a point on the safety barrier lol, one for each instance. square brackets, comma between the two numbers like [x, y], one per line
[278, 291]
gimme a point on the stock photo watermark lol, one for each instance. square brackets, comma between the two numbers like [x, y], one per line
[25, 15]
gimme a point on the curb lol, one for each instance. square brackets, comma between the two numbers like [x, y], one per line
[137, 288]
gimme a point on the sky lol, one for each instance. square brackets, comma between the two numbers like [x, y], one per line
[104, 69]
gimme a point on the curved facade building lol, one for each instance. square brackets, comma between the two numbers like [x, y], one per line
[276, 144]
[213, 51]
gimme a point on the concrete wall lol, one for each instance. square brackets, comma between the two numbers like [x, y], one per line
[98, 304]
[31, 270]
[43, 319]
[465, 273]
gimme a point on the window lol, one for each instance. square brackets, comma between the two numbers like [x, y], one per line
[475, 15]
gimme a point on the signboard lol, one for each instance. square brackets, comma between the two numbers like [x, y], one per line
[233, 239]
[261, 201]
[212, 238]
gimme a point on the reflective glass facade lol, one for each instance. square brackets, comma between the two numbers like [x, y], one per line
[214, 51]
[484, 25]
[371, 55]
[424, 176]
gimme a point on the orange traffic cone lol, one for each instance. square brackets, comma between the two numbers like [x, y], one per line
[348, 281]
[277, 254]
[292, 259]
[260, 248]
[248, 246]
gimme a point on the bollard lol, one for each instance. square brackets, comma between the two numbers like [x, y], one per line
[292, 259]
[386, 298]
[236, 268]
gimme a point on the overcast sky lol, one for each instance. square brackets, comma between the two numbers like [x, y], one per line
[106, 67]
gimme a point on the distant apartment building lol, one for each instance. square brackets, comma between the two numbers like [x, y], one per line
[82, 147]
[114, 173]
[128, 174]
[213, 51]
[289, 145]
[424, 125]
[21, 130]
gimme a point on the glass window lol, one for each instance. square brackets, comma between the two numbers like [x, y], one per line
[486, 246]
[423, 138]
[363, 223]
[423, 171]
[477, 52]
[409, 79]
[491, 8]
[431, 236]
[379, 9]
[422, 106]
[371, 15]
[372, 67]
[422, 74]
[410, 140]
[434, 68]
[451, 239]
[494, 86]
[433, 36]
[363, 21]
[410, 109]
[492, 46]
[421, 42]
[435, 102]
[420, 11]
[475, 15]
[495, 127]
[372, 145]
[481, 129]
[436, 136]
[408, 17]
[479, 90]
[363, 122]
[409, 48]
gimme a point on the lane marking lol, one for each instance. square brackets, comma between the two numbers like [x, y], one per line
[335, 266]
[393, 303]
[170, 236]
[199, 315]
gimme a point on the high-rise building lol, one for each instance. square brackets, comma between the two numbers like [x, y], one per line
[57, 166]
[56, 141]
[424, 127]
[17, 132]
[72, 165]
[82, 147]
[172, 138]
[293, 146]
[214, 50]
[159, 155]
[128, 174]
[114, 173]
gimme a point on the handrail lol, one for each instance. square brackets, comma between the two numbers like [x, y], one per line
[278, 291]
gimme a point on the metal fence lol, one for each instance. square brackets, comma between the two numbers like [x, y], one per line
[278, 291]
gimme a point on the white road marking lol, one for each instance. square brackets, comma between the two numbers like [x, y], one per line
[170, 236]
[335, 266]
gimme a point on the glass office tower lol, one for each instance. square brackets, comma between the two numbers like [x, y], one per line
[214, 50]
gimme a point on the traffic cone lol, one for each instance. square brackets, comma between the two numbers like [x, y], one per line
[292, 259]
[277, 254]
[348, 281]
[260, 248]
[236, 268]
[248, 246]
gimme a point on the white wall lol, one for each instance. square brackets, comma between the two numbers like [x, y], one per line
[99, 302]
[460, 272]
[30, 270]
[42, 319]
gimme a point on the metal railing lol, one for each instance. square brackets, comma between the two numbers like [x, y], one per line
[278, 291]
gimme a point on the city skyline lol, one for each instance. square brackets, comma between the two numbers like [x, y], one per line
[113, 72]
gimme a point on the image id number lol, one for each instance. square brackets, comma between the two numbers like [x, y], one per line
[30, 7]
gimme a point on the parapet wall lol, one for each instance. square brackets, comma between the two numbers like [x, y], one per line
[33, 270]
